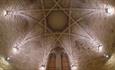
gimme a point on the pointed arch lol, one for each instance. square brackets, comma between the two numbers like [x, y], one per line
[58, 60]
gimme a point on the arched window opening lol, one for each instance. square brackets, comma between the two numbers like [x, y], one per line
[51, 62]
[58, 60]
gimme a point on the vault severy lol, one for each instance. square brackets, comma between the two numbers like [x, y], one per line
[83, 30]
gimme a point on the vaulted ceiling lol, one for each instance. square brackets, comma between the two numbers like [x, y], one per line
[30, 29]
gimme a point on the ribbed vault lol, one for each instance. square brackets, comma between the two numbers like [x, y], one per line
[30, 29]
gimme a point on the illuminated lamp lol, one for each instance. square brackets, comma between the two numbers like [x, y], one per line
[109, 10]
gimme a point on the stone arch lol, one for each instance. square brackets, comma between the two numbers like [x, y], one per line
[58, 60]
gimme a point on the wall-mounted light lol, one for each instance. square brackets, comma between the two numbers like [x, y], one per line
[10, 12]
[100, 48]
[109, 10]
[107, 56]
[7, 12]
[15, 49]
[8, 58]
[42, 67]
[73, 67]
